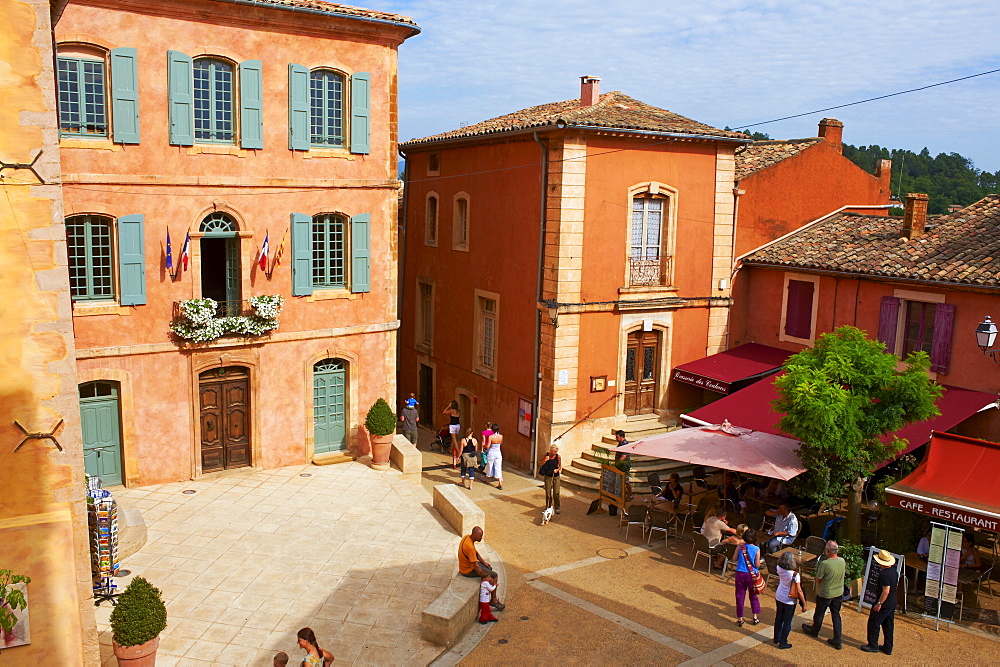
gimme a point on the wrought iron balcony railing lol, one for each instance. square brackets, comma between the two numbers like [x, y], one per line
[648, 271]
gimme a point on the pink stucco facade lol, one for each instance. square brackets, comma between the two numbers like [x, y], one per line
[175, 187]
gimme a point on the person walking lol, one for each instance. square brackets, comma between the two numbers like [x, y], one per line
[315, 656]
[789, 591]
[454, 426]
[487, 432]
[468, 459]
[829, 594]
[549, 470]
[410, 417]
[494, 458]
[881, 615]
[747, 562]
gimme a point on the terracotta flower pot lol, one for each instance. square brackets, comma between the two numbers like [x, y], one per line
[142, 655]
[381, 446]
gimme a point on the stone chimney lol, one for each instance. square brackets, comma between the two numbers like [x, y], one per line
[590, 90]
[832, 130]
[914, 215]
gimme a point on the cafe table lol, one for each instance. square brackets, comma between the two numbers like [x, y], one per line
[801, 557]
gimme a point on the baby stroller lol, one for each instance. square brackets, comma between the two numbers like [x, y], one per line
[442, 440]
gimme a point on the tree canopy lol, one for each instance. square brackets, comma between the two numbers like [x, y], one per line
[948, 178]
[839, 397]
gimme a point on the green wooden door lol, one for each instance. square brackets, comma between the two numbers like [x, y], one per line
[102, 449]
[329, 406]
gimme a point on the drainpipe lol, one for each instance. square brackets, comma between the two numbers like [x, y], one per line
[401, 230]
[538, 313]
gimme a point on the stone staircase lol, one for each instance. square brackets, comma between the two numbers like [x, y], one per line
[584, 472]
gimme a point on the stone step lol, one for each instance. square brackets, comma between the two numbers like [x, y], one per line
[584, 479]
[331, 458]
[643, 464]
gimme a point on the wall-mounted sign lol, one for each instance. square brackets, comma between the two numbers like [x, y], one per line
[563, 378]
[941, 511]
[598, 383]
[524, 417]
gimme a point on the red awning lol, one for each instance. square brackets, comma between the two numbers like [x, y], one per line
[719, 372]
[751, 408]
[954, 482]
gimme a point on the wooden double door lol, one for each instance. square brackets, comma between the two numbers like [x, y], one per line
[642, 358]
[224, 396]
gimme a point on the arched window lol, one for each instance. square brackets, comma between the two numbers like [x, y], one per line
[98, 389]
[82, 82]
[214, 120]
[91, 257]
[326, 108]
[460, 223]
[218, 223]
[329, 240]
[651, 235]
[431, 220]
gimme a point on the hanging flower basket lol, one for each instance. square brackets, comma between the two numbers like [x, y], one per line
[198, 321]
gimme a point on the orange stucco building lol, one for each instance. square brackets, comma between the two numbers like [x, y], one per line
[914, 283]
[559, 261]
[220, 125]
[783, 184]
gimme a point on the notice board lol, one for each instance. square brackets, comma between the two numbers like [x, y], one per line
[943, 562]
[869, 596]
[613, 486]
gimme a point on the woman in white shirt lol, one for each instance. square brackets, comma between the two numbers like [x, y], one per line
[789, 591]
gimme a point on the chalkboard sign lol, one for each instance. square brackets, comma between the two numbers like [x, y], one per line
[872, 590]
[613, 485]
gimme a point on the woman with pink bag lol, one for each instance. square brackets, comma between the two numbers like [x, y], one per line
[747, 563]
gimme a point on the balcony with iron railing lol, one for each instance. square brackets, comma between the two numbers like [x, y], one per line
[648, 271]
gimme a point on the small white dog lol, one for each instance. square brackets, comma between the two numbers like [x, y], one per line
[546, 515]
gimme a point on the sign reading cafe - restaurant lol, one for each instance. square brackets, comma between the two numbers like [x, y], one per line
[969, 517]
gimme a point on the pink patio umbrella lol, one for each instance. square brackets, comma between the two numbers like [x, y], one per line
[724, 446]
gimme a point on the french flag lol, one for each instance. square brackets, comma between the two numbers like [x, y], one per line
[264, 250]
[184, 252]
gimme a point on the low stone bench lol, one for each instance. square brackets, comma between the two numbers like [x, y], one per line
[452, 503]
[407, 458]
[450, 615]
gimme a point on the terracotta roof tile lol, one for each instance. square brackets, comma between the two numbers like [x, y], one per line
[960, 247]
[762, 154]
[614, 110]
[339, 9]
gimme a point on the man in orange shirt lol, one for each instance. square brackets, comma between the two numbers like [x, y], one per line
[472, 565]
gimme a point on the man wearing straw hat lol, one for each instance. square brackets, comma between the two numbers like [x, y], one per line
[881, 615]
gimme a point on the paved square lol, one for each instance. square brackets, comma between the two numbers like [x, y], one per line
[253, 556]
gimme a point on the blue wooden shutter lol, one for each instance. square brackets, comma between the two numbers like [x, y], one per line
[181, 98]
[251, 104]
[361, 253]
[944, 318]
[360, 112]
[301, 254]
[125, 95]
[298, 107]
[132, 260]
[888, 319]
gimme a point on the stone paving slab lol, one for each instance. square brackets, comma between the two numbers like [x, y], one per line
[252, 556]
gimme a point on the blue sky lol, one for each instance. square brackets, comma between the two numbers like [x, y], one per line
[722, 62]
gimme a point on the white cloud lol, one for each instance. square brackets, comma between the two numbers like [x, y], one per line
[723, 62]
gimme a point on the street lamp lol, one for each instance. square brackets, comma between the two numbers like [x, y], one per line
[986, 336]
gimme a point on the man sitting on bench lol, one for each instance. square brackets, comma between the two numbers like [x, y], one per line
[472, 565]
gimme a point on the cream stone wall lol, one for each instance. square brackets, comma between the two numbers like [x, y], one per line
[722, 254]
[43, 520]
[561, 282]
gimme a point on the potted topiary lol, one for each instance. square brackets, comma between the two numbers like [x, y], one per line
[381, 425]
[136, 623]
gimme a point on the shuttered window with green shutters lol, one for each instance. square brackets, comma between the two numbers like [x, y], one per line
[82, 98]
[90, 250]
[321, 248]
[214, 88]
[326, 108]
[328, 243]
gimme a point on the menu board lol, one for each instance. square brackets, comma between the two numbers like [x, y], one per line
[871, 592]
[613, 485]
[943, 562]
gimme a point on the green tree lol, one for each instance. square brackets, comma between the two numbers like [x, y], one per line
[839, 397]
